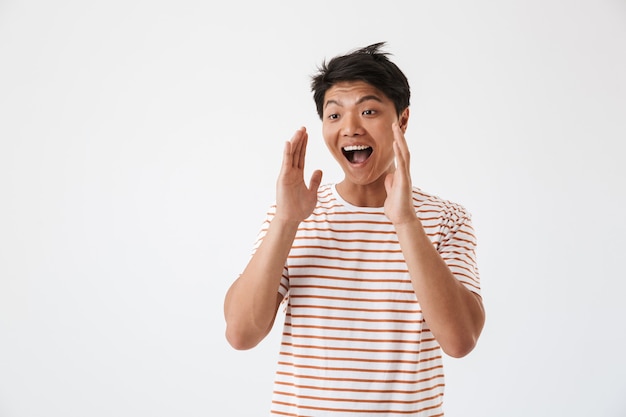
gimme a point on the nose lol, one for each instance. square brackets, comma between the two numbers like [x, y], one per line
[351, 125]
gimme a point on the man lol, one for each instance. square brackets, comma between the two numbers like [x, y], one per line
[378, 276]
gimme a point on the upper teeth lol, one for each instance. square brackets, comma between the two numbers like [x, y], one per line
[355, 148]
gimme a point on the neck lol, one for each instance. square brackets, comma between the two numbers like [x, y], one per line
[368, 195]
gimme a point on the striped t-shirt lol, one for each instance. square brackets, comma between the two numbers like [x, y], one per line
[354, 341]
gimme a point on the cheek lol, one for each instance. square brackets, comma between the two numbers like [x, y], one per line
[386, 152]
[329, 137]
[326, 131]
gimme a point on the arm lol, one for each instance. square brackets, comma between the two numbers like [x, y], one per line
[454, 314]
[252, 301]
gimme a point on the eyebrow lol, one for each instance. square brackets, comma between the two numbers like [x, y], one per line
[359, 101]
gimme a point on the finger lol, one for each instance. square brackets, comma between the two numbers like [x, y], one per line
[400, 147]
[302, 151]
[287, 157]
[298, 144]
[398, 135]
[316, 180]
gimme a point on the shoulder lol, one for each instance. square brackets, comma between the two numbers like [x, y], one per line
[326, 198]
[426, 202]
[324, 192]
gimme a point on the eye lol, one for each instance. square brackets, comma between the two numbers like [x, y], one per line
[368, 112]
[333, 116]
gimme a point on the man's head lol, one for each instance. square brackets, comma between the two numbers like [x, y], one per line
[368, 64]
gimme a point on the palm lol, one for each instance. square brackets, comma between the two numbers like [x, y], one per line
[294, 200]
[399, 204]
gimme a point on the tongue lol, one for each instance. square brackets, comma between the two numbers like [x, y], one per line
[360, 156]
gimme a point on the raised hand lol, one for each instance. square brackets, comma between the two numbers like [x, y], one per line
[294, 201]
[399, 202]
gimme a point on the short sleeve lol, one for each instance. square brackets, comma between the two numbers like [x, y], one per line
[458, 248]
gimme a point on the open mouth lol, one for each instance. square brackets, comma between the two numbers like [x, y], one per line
[356, 154]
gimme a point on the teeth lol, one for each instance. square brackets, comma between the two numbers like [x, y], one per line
[355, 148]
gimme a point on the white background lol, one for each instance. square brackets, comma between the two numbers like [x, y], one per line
[139, 146]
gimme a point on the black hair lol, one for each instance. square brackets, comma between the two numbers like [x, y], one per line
[368, 64]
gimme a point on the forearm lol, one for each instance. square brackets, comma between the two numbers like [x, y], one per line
[251, 302]
[454, 314]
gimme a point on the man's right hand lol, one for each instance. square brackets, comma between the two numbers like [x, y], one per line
[294, 201]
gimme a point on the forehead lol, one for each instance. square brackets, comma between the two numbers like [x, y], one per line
[345, 92]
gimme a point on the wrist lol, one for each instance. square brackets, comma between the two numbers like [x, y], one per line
[407, 222]
[285, 224]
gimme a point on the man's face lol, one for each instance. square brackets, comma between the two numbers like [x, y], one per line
[356, 126]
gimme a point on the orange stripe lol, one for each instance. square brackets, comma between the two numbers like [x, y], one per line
[368, 380]
[360, 310]
[348, 339]
[373, 371]
[363, 350]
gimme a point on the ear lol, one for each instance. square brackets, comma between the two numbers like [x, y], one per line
[403, 120]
